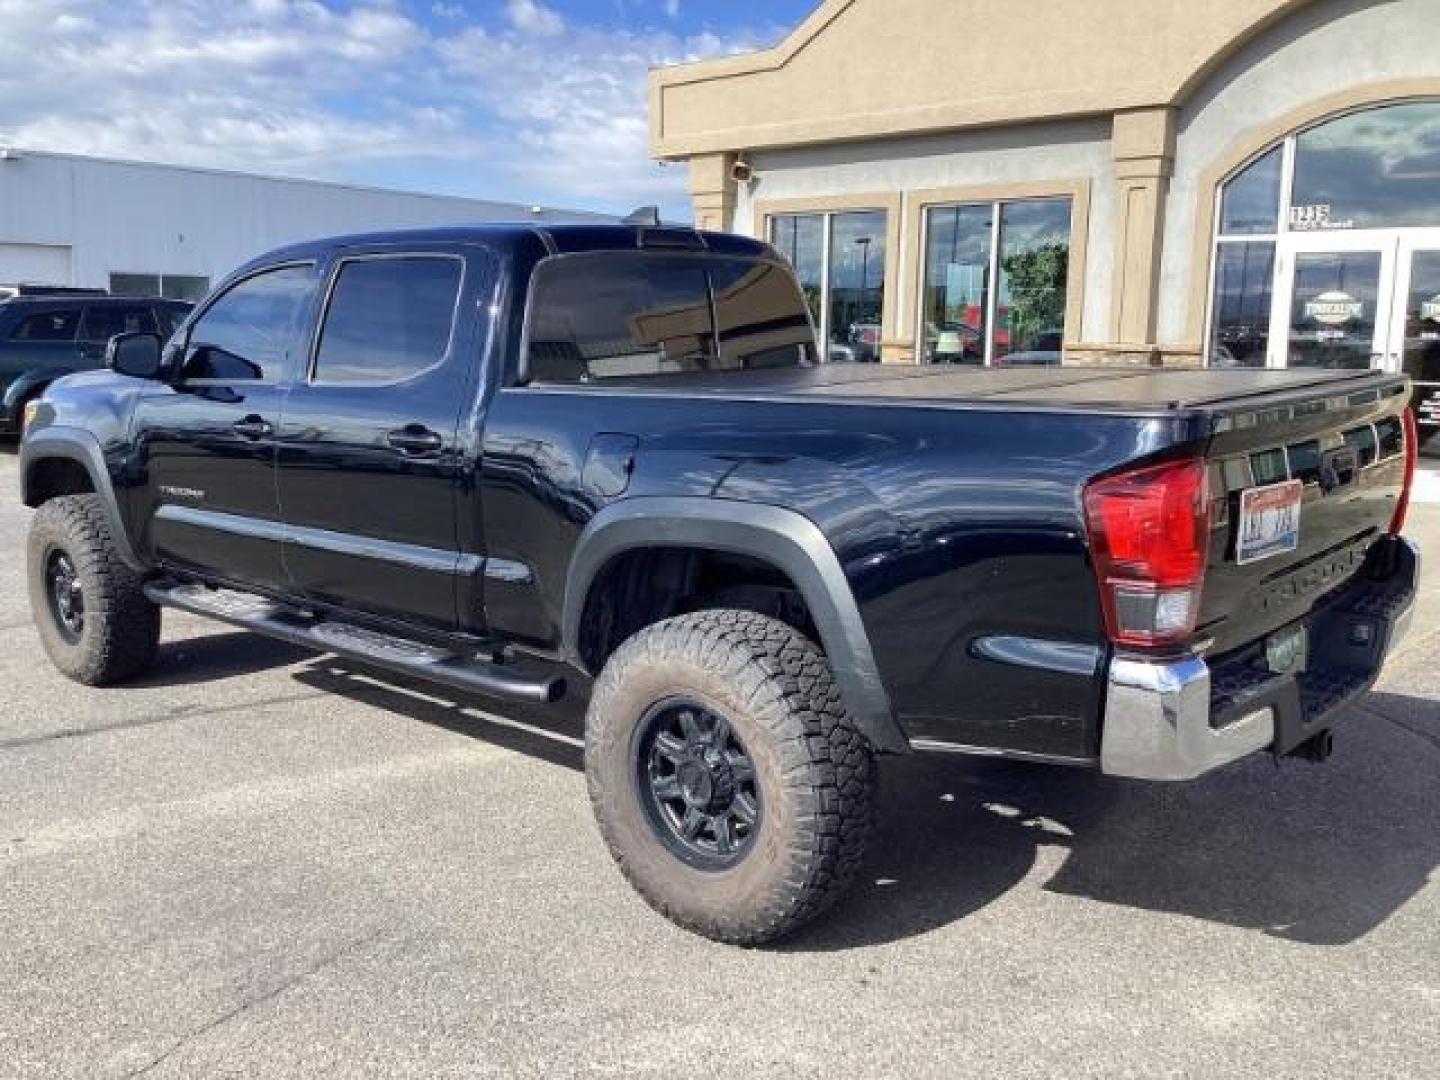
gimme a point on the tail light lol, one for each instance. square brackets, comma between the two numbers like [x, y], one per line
[1149, 530]
[1412, 452]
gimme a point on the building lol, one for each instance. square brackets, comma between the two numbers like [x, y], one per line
[144, 229]
[1238, 182]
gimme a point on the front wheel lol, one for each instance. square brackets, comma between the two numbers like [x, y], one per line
[94, 619]
[728, 779]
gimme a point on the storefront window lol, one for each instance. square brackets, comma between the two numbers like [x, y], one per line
[1369, 170]
[801, 239]
[956, 299]
[1034, 265]
[1024, 246]
[1251, 201]
[840, 261]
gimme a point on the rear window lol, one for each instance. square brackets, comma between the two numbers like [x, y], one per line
[48, 326]
[634, 314]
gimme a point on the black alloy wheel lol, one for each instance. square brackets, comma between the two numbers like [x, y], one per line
[697, 784]
[67, 596]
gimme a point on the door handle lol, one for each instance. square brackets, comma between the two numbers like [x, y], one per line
[252, 427]
[415, 440]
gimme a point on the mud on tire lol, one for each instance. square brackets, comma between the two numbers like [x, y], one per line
[90, 608]
[813, 773]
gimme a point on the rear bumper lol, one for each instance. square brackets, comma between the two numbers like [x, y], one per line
[1178, 718]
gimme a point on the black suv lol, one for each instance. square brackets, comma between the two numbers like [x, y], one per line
[47, 334]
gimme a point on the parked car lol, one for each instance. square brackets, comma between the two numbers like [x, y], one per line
[47, 333]
[499, 458]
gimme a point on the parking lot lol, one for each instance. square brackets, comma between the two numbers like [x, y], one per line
[261, 862]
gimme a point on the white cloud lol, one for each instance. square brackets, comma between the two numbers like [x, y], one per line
[522, 110]
[532, 17]
[672, 8]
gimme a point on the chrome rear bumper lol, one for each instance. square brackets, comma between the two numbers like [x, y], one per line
[1158, 723]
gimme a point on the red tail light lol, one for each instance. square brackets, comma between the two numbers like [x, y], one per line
[1149, 530]
[1412, 452]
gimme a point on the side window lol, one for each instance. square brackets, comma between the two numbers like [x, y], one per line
[615, 315]
[388, 319]
[103, 323]
[48, 326]
[245, 335]
[760, 315]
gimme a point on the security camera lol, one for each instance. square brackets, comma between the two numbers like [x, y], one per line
[741, 171]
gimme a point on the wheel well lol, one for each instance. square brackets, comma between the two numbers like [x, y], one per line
[641, 587]
[51, 478]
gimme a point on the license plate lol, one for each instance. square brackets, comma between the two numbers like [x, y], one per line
[1287, 651]
[1269, 521]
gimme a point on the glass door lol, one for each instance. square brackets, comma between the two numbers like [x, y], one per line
[1415, 331]
[1333, 300]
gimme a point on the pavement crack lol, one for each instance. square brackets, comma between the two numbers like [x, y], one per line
[254, 1002]
[183, 712]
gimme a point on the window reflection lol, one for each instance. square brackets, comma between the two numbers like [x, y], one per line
[1240, 331]
[1371, 169]
[801, 239]
[956, 297]
[1250, 203]
[857, 285]
[1034, 266]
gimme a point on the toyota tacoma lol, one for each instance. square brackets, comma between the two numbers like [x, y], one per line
[527, 461]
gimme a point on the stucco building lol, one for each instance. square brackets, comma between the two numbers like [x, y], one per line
[1247, 182]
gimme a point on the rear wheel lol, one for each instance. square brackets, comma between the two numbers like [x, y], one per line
[94, 619]
[729, 782]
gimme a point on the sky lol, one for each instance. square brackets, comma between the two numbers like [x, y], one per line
[533, 101]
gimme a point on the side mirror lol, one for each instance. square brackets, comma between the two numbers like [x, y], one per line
[136, 355]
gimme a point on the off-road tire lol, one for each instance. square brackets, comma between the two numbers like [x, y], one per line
[814, 772]
[121, 630]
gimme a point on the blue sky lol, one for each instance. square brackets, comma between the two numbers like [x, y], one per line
[524, 100]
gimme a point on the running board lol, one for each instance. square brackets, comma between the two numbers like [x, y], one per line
[401, 655]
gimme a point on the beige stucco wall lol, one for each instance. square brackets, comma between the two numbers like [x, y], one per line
[1144, 106]
[903, 62]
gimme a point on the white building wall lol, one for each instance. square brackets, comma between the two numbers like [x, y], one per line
[1323, 48]
[122, 217]
[1063, 150]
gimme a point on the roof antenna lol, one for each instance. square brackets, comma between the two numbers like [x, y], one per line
[646, 217]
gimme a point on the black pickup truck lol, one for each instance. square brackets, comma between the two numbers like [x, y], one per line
[515, 459]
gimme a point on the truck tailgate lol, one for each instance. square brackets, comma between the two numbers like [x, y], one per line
[1326, 463]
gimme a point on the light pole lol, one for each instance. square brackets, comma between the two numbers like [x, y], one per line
[864, 242]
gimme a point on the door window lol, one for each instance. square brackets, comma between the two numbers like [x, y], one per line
[48, 326]
[388, 320]
[1333, 309]
[246, 335]
[103, 323]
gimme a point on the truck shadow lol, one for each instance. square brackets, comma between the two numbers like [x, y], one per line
[552, 734]
[1318, 855]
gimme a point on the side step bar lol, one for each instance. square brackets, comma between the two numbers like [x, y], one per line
[401, 655]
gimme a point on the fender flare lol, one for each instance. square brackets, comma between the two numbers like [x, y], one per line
[80, 446]
[783, 538]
